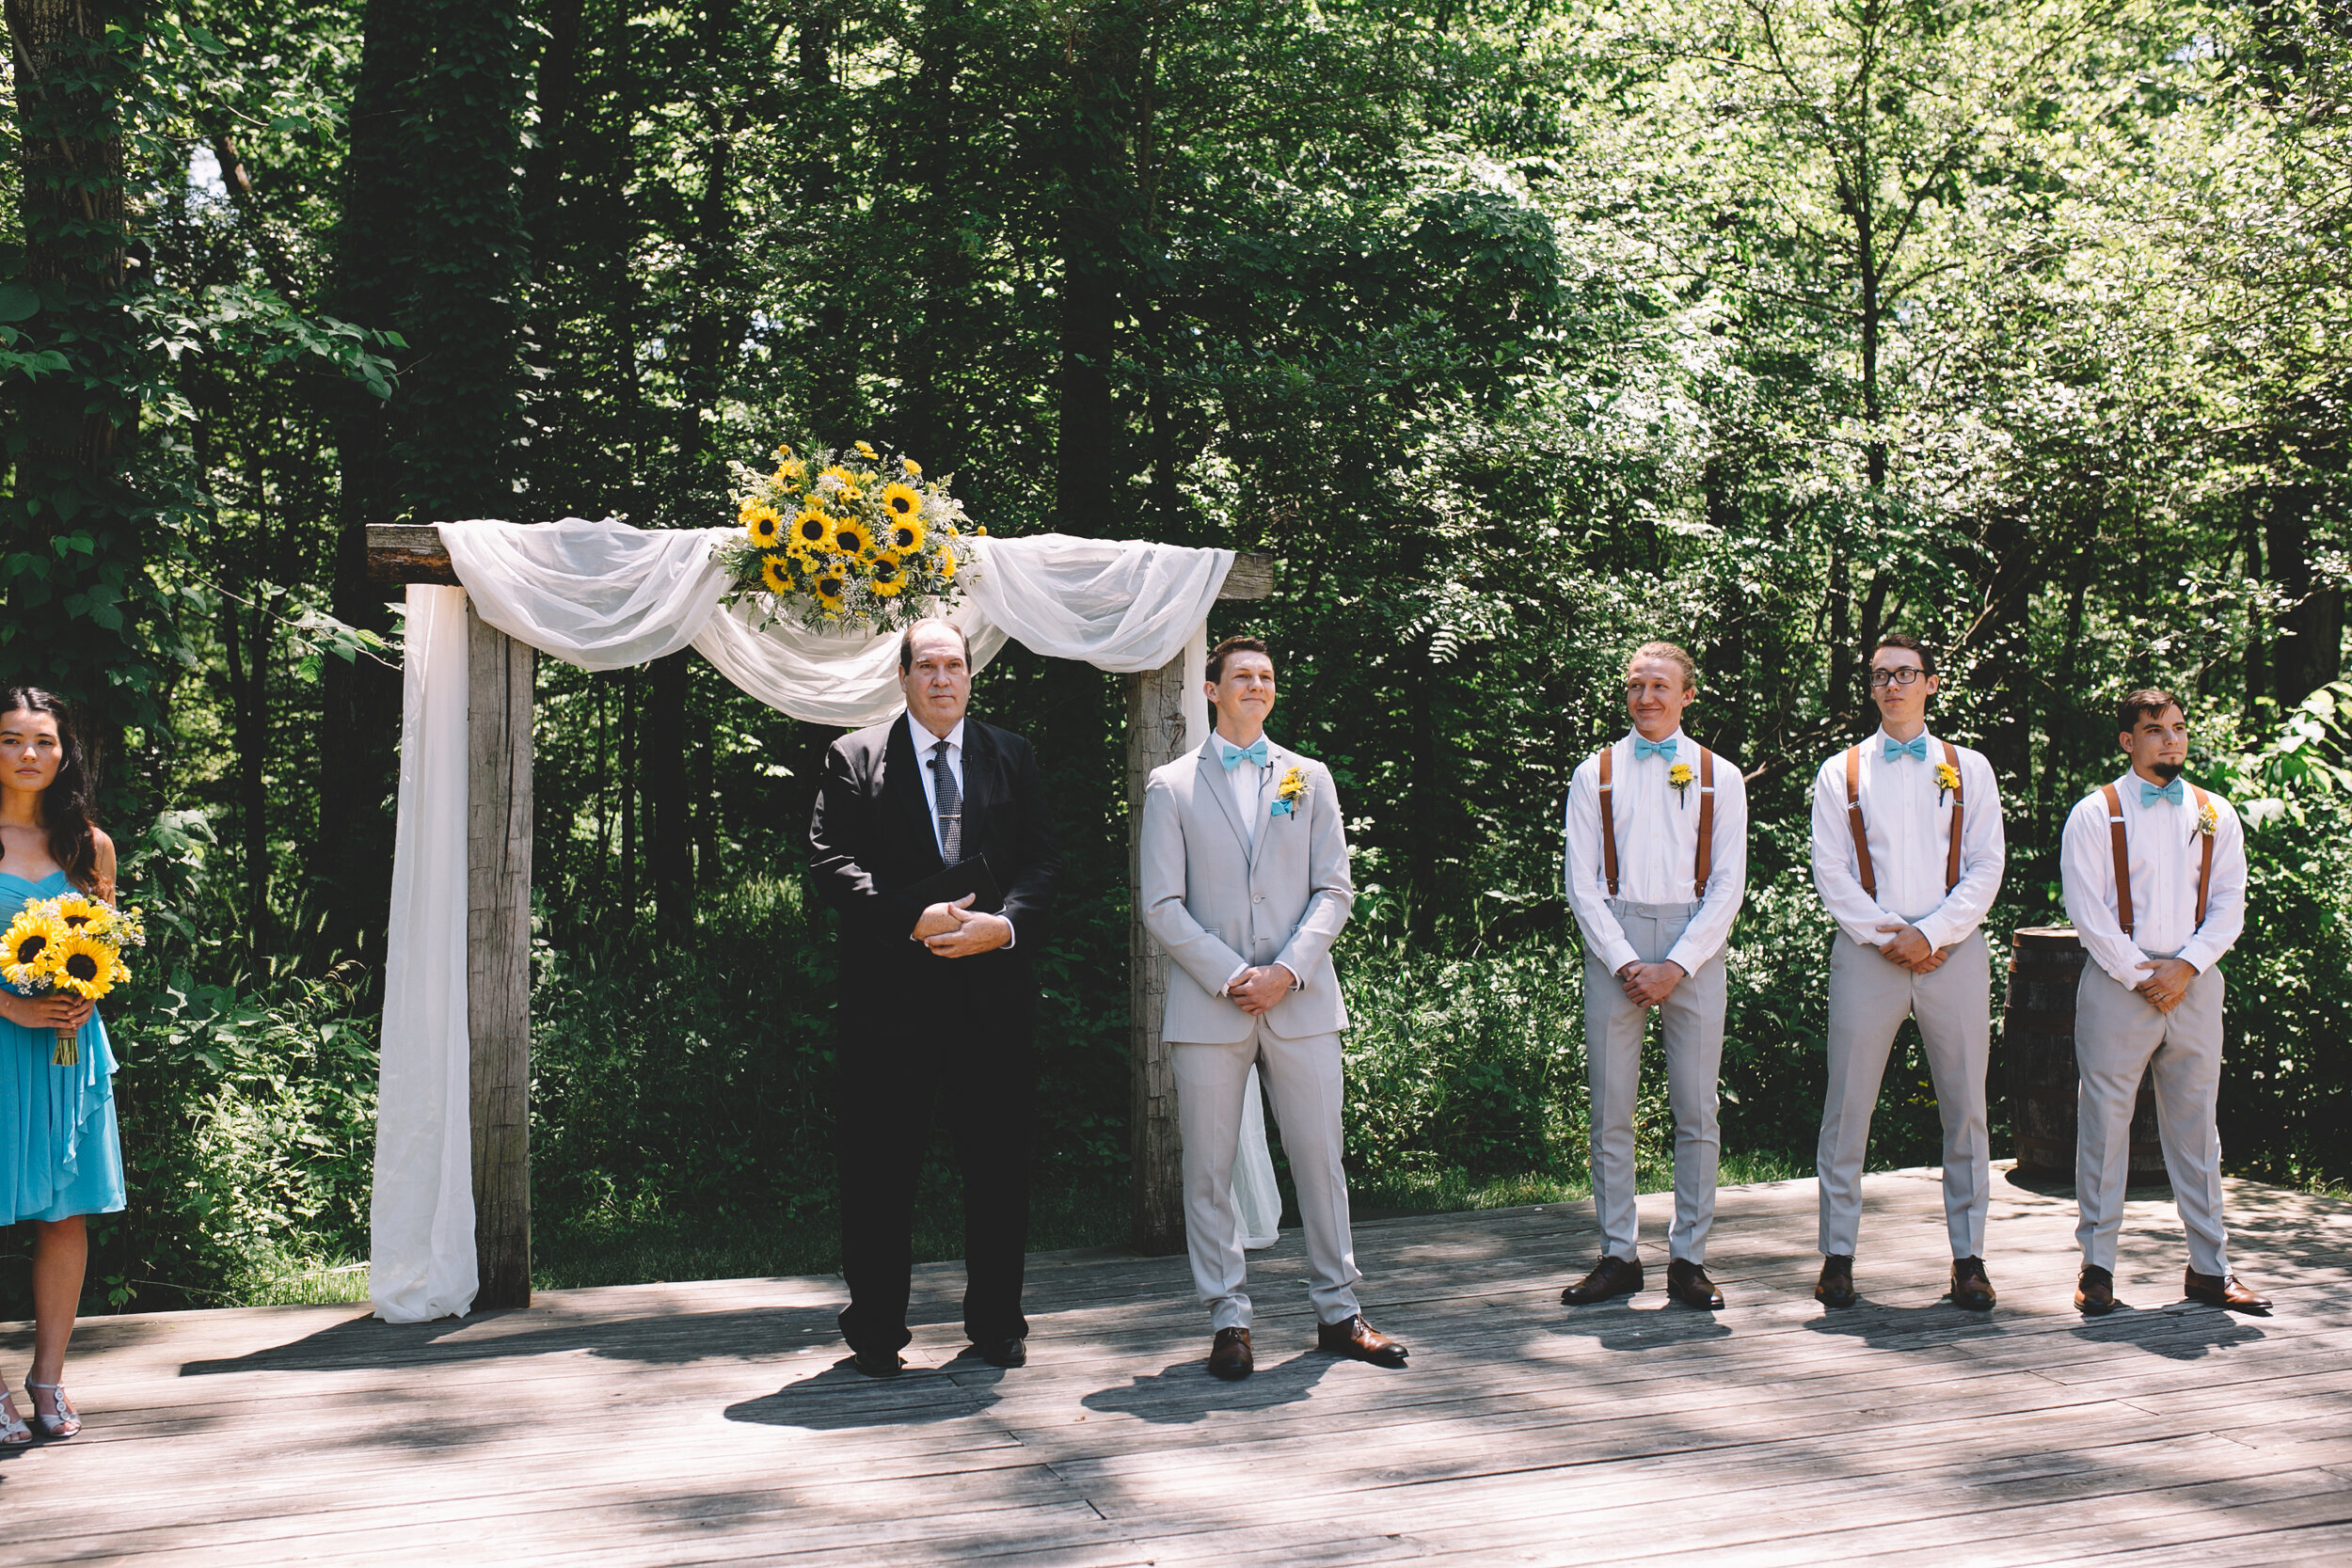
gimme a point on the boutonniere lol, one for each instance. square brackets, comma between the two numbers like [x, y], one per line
[1288, 792]
[1946, 780]
[1679, 775]
[2208, 820]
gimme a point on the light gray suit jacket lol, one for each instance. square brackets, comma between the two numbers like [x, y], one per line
[1216, 905]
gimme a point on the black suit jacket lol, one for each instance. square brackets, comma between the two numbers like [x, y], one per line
[871, 837]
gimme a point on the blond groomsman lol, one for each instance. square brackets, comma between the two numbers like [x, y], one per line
[2155, 872]
[1907, 855]
[1656, 868]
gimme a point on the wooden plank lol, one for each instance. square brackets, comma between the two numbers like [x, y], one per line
[1251, 577]
[498, 958]
[1155, 735]
[409, 552]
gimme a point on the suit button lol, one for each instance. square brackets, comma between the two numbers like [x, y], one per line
[1259, 900]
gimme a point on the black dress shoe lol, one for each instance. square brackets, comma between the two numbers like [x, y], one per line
[1012, 1352]
[877, 1363]
[1972, 1289]
[1834, 1288]
[1611, 1277]
[2094, 1292]
[1229, 1355]
[1687, 1282]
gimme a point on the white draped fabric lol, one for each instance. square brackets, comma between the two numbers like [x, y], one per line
[604, 596]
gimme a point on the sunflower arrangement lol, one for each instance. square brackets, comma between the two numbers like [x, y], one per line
[846, 540]
[69, 944]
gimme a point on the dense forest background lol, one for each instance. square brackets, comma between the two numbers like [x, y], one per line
[1518, 332]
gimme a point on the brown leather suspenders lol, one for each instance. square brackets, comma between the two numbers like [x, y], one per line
[2124, 862]
[1862, 836]
[1706, 823]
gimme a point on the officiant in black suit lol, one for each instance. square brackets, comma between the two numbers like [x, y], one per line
[936, 997]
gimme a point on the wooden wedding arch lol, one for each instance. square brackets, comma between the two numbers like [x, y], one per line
[500, 701]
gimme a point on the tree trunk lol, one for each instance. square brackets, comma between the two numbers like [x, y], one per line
[1097, 209]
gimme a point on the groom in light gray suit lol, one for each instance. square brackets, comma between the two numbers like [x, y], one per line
[1246, 884]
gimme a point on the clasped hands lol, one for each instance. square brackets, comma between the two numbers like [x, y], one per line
[1257, 989]
[957, 930]
[54, 1010]
[2167, 983]
[1909, 948]
[1648, 985]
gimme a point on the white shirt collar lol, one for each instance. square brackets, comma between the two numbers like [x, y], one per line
[924, 741]
[1879, 738]
[1682, 742]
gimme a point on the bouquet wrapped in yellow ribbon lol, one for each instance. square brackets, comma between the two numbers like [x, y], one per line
[846, 540]
[69, 944]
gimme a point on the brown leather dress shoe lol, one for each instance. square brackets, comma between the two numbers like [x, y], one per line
[1229, 1355]
[1687, 1282]
[1972, 1290]
[1359, 1341]
[1611, 1277]
[2224, 1291]
[1836, 1285]
[2094, 1292]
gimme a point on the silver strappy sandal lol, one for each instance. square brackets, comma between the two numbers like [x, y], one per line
[14, 1434]
[66, 1421]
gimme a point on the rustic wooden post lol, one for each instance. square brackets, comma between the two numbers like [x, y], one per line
[498, 958]
[499, 707]
[1155, 735]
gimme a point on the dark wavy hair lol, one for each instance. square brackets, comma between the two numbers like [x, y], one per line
[65, 810]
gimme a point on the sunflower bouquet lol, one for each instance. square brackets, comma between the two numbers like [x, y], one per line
[846, 540]
[71, 943]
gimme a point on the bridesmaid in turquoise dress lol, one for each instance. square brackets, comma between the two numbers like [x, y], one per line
[60, 1159]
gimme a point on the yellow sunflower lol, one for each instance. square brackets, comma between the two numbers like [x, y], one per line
[851, 537]
[32, 942]
[947, 561]
[902, 501]
[868, 453]
[830, 585]
[78, 912]
[812, 529]
[775, 574]
[764, 525]
[85, 966]
[887, 575]
[905, 535]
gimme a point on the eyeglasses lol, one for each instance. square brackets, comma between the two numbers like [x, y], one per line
[1903, 676]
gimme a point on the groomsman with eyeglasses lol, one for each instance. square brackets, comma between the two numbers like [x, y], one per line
[2155, 875]
[1655, 868]
[1907, 856]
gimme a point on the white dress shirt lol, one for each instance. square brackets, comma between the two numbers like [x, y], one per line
[924, 741]
[1657, 840]
[1249, 785]
[2163, 848]
[1907, 819]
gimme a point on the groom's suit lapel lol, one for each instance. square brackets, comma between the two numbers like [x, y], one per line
[1214, 783]
[1278, 763]
[902, 783]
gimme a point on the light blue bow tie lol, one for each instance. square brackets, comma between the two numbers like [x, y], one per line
[2149, 794]
[1255, 751]
[1917, 745]
[1655, 748]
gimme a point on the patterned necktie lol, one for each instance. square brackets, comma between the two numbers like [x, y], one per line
[1917, 745]
[1254, 753]
[950, 806]
[1665, 748]
[2149, 794]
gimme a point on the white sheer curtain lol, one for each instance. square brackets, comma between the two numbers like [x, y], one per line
[420, 1222]
[604, 596]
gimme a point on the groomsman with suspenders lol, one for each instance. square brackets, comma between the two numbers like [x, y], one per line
[1907, 855]
[1656, 868]
[2155, 872]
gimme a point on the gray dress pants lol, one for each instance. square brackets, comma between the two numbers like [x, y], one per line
[2119, 1036]
[1691, 1022]
[1869, 996]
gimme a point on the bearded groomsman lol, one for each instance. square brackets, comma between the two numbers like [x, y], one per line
[1656, 868]
[1907, 855]
[1244, 881]
[2155, 872]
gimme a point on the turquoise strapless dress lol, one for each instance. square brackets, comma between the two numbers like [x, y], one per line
[60, 1152]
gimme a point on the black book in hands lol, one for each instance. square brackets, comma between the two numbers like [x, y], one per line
[966, 877]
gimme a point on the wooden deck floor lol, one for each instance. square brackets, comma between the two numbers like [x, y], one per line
[711, 1422]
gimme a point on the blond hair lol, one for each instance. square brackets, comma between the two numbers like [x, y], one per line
[1673, 653]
